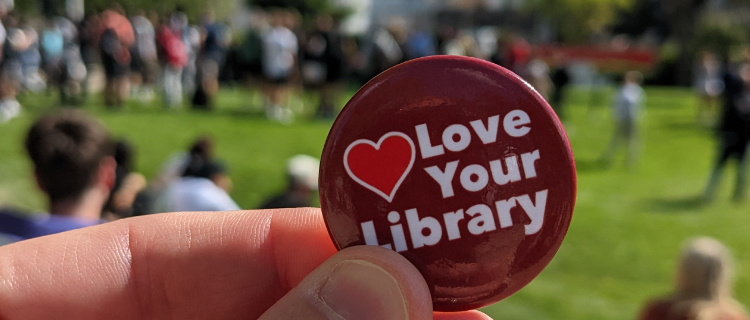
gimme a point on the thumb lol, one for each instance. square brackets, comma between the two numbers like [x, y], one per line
[363, 283]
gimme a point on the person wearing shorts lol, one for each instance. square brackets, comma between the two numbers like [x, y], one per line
[279, 58]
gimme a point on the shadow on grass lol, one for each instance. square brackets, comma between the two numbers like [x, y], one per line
[683, 126]
[687, 126]
[688, 204]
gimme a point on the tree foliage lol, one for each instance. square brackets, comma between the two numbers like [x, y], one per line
[193, 8]
[576, 20]
[308, 8]
[719, 34]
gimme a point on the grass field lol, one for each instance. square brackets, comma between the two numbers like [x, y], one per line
[627, 228]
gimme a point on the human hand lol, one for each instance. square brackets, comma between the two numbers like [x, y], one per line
[266, 264]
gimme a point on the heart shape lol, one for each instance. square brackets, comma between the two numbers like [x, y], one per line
[383, 166]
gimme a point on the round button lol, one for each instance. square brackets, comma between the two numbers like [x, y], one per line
[460, 166]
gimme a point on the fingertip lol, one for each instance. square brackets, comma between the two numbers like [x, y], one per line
[412, 284]
[361, 282]
[301, 243]
[463, 315]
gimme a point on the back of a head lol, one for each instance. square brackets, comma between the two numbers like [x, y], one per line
[704, 279]
[202, 147]
[302, 171]
[704, 270]
[67, 149]
[124, 155]
[634, 77]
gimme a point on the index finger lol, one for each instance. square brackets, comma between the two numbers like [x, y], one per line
[215, 265]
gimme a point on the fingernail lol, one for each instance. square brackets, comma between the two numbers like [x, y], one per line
[360, 290]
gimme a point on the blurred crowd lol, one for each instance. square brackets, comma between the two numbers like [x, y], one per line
[143, 55]
[90, 178]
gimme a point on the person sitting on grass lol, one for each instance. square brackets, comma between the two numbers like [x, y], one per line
[703, 290]
[128, 184]
[204, 186]
[74, 166]
[302, 174]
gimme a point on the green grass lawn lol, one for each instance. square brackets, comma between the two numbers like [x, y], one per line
[627, 228]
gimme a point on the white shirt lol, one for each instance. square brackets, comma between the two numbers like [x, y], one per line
[145, 37]
[3, 34]
[279, 50]
[194, 194]
[628, 102]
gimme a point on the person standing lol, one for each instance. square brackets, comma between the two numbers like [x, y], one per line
[626, 113]
[279, 59]
[145, 57]
[323, 65]
[74, 69]
[537, 74]
[733, 132]
[708, 86]
[51, 45]
[560, 80]
[174, 58]
[115, 38]
[217, 39]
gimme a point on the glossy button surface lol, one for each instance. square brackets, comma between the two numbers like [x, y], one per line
[458, 165]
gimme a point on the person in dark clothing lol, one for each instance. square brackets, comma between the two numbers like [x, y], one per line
[212, 57]
[302, 173]
[733, 132]
[115, 36]
[323, 65]
[560, 80]
[128, 183]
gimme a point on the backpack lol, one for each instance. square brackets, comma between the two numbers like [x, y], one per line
[172, 48]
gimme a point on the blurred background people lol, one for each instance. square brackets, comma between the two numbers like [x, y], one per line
[626, 112]
[73, 69]
[52, 44]
[386, 49]
[203, 186]
[217, 39]
[74, 166]
[537, 74]
[323, 65]
[279, 59]
[145, 59]
[703, 288]
[115, 38]
[733, 133]
[560, 80]
[20, 65]
[202, 150]
[128, 184]
[708, 86]
[302, 182]
[174, 58]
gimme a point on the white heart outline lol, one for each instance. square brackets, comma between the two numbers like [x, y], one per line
[377, 147]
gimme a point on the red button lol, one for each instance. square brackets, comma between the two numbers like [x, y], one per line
[458, 165]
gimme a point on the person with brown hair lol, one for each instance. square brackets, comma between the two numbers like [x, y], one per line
[74, 166]
[702, 288]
